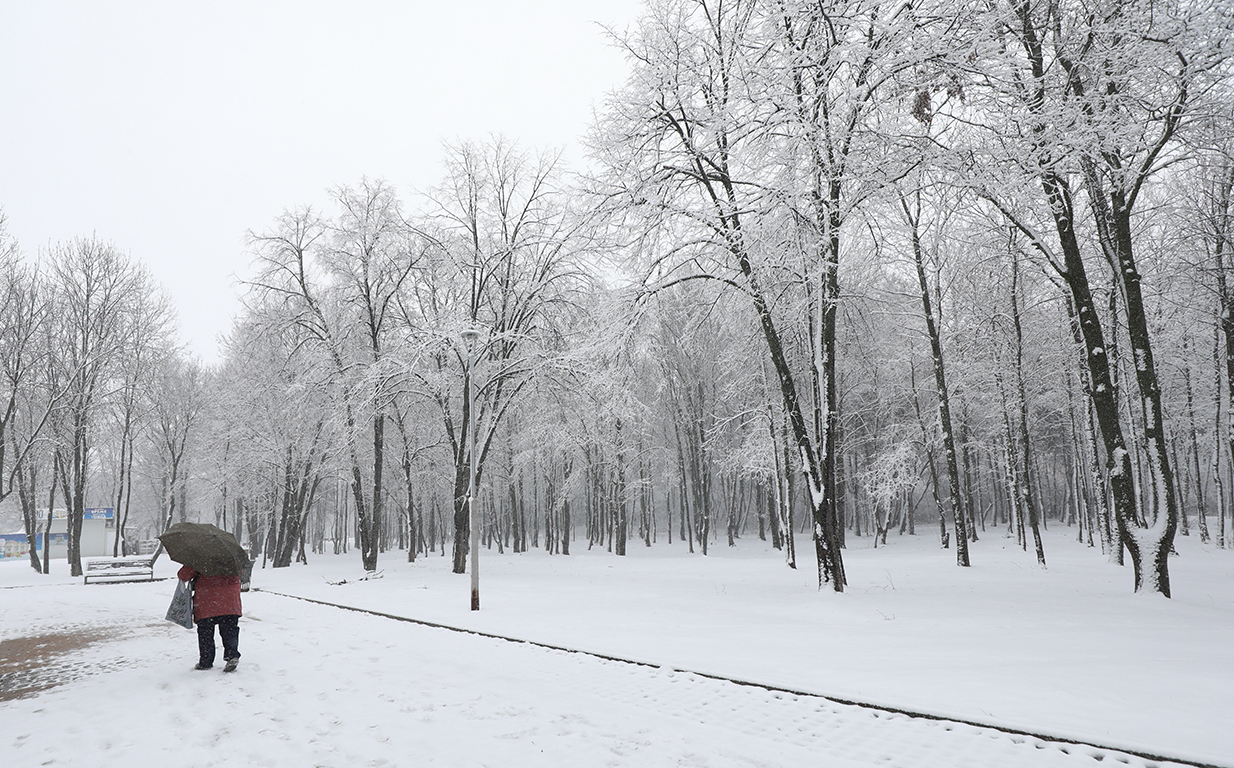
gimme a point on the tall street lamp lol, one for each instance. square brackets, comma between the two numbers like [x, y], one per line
[470, 336]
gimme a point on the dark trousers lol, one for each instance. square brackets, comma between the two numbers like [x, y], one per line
[229, 630]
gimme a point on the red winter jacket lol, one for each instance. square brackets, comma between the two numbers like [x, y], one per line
[213, 595]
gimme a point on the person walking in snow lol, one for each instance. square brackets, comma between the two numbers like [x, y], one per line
[216, 602]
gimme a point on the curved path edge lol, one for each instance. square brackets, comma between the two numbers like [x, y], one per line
[1155, 757]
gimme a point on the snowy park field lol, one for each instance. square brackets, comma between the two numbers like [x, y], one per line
[93, 676]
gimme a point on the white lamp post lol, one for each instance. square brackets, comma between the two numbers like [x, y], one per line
[470, 336]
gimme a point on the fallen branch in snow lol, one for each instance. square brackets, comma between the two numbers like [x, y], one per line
[368, 576]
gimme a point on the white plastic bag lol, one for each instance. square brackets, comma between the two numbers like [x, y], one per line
[181, 609]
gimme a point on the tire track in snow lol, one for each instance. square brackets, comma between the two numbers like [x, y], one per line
[829, 726]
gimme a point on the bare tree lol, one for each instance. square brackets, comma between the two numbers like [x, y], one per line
[506, 263]
[26, 399]
[1105, 95]
[913, 216]
[176, 412]
[339, 280]
[747, 132]
[371, 254]
[148, 344]
[95, 287]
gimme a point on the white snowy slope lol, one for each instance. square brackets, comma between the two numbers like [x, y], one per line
[1066, 652]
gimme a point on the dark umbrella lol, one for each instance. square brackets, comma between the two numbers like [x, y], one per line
[205, 548]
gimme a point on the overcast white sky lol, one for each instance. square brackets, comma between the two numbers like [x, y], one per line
[171, 128]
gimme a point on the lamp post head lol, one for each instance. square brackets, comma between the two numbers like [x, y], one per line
[470, 335]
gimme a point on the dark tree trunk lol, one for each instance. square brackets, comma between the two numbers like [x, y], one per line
[76, 495]
[1105, 518]
[1022, 401]
[956, 501]
[775, 491]
[122, 519]
[788, 495]
[1218, 483]
[1161, 471]
[26, 489]
[1149, 546]
[819, 474]
[564, 527]
[57, 471]
[1105, 404]
[372, 542]
[462, 524]
[927, 440]
[622, 526]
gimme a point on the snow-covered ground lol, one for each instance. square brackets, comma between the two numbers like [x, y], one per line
[1066, 652]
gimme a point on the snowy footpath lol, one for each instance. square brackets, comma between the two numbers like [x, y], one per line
[91, 675]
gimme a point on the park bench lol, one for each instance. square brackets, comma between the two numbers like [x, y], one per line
[130, 568]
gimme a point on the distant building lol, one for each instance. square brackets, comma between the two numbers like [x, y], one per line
[98, 532]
